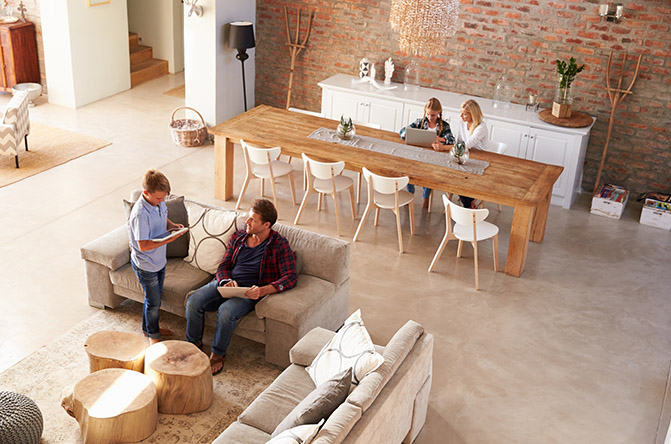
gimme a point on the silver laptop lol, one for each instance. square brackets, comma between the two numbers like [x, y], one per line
[420, 137]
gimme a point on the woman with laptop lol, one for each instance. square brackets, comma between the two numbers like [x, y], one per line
[432, 120]
[473, 132]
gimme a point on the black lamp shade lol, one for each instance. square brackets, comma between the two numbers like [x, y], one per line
[241, 35]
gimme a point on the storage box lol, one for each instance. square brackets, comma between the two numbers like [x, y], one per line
[609, 201]
[656, 214]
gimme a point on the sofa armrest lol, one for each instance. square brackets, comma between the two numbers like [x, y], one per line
[111, 250]
[309, 346]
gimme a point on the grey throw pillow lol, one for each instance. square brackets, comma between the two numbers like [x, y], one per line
[319, 404]
[177, 214]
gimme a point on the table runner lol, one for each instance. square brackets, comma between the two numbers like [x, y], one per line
[410, 152]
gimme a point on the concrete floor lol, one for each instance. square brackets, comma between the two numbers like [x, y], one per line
[575, 351]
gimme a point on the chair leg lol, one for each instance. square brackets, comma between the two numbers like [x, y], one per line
[377, 216]
[398, 229]
[305, 179]
[16, 159]
[300, 209]
[411, 208]
[351, 201]
[440, 250]
[242, 191]
[495, 239]
[26, 139]
[363, 220]
[475, 262]
[263, 187]
[272, 185]
[358, 187]
[461, 243]
[319, 202]
[498, 205]
[335, 204]
[292, 187]
[430, 200]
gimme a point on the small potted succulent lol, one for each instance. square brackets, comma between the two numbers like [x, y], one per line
[346, 128]
[460, 152]
[561, 107]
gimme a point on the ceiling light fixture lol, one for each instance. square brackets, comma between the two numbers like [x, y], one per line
[424, 25]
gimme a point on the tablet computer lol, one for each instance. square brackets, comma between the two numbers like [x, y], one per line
[170, 234]
[233, 292]
[420, 137]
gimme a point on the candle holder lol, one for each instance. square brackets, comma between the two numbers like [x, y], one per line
[532, 103]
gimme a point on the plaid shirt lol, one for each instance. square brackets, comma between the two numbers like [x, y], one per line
[423, 123]
[278, 266]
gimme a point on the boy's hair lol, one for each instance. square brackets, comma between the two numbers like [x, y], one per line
[265, 209]
[154, 181]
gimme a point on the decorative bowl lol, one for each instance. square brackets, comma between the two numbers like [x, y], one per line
[34, 90]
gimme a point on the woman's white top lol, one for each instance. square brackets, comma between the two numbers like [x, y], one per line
[478, 140]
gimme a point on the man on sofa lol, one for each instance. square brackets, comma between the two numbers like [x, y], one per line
[256, 257]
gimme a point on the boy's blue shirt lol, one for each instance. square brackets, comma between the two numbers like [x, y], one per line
[147, 222]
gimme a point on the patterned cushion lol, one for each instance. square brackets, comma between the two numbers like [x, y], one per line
[302, 434]
[210, 230]
[350, 347]
[20, 419]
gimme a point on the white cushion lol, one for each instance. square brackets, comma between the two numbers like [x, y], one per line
[209, 233]
[350, 347]
[387, 200]
[484, 230]
[302, 434]
[279, 169]
[326, 186]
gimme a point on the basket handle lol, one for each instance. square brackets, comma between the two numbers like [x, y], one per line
[172, 118]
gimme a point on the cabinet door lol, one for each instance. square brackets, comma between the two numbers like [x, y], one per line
[411, 113]
[553, 149]
[386, 113]
[344, 104]
[515, 136]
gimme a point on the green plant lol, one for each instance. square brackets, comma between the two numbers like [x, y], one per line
[568, 72]
[459, 149]
[346, 125]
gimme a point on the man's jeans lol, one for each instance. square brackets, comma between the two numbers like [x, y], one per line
[425, 194]
[229, 311]
[152, 284]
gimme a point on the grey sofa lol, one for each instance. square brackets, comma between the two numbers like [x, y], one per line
[320, 299]
[388, 406]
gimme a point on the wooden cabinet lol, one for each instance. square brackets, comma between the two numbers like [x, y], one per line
[18, 55]
[526, 135]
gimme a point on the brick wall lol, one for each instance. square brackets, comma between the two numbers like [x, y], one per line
[33, 15]
[518, 38]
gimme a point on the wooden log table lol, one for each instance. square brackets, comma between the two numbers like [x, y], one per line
[182, 376]
[113, 406]
[116, 349]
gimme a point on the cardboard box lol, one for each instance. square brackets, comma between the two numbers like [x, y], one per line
[609, 201]
[656, 214]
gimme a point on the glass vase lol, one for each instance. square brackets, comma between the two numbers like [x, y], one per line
[411, 78]
[346, 134]
[459, 152]
[503, 94]
[564, 93]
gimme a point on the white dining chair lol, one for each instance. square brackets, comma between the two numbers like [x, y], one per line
[326, 178]
[262, 163]
[470, 226]
[387, 193]
[358, 173]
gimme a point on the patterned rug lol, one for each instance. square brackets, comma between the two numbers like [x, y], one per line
[44, 374]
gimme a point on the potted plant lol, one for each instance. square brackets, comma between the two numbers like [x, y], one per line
[346, 128]
[460, 152]
[561, 107]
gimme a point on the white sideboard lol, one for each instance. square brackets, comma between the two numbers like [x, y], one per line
[526, 135]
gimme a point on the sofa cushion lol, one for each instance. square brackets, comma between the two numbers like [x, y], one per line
[319, 404]
[301, 434]
[238, 433]
[276, 401]
[350, 347]
[339, 424]
[110, 250]
[176, 214]
[209, 233]
[307, 347]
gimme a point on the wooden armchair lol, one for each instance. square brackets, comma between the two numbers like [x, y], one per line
[15, 126]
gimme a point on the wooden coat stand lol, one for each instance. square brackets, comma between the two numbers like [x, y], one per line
[295, 47]
[616, 95]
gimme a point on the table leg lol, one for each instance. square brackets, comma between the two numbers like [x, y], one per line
[519, 240]
[223, 168]
[540, 219]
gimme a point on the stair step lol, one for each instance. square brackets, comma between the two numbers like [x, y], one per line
[133, 39]
[140, 53]
[147, 70]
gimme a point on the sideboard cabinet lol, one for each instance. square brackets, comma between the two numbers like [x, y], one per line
[18, 54]
[526, 135]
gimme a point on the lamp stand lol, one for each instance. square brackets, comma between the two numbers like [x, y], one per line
[242, 56]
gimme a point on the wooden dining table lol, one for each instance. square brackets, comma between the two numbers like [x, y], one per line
[522, 184]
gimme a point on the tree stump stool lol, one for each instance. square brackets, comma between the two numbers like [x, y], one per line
[116, 349]
[113, 406]
[182, 376]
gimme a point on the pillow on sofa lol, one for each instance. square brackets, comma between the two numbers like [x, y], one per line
[177, 214]
[209, 233]
[319, 404]
[302, 434]
[350, 347]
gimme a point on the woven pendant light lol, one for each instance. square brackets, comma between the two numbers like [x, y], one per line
[424, 25]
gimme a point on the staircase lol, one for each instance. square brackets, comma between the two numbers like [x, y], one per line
[143, 67]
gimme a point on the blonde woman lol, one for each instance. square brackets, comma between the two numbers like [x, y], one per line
[432, 119]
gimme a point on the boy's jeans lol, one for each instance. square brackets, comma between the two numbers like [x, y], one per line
[152, 284]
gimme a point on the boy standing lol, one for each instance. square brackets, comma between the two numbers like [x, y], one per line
[149, 220]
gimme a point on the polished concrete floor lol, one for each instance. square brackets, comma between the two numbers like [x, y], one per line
[575, 351]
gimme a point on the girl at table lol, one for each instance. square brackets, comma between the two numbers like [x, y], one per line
[432, 119]
[473, 132]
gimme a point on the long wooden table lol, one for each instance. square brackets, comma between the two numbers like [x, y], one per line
[522, 184]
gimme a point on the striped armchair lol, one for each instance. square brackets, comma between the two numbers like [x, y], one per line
[15, 126]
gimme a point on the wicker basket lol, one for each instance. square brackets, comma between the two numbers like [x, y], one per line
[188, 132]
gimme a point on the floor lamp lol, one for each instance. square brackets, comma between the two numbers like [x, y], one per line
[241, 37]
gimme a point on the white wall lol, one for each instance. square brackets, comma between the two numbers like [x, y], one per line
[159, 24]
[212, 74]
[85, 50]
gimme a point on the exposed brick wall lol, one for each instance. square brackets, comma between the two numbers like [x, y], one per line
[518, 38]
[33, 15]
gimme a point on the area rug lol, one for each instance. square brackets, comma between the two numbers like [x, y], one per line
[44, 374]
[178, 92]
[48, 147]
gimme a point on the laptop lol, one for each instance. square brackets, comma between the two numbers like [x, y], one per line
[420, 137]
